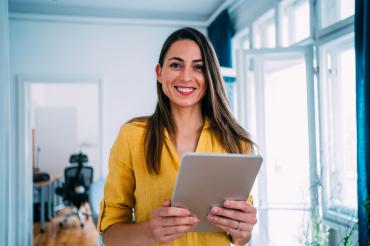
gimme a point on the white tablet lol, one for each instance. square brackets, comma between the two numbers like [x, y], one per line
[207, 179]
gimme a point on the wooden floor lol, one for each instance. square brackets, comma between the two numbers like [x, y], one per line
[71, 234]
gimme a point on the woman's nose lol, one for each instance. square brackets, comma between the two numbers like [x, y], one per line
[186, 75]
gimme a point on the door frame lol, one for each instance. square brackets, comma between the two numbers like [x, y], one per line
[23, 141]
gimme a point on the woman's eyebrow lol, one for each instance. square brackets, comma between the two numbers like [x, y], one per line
[176, 58]
[182, 60]
[198, 60]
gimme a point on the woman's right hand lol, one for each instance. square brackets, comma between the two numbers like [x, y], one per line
[169, 223]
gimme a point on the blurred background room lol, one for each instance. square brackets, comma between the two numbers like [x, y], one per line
[73, 71]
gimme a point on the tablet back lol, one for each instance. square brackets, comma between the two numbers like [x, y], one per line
[207, 179]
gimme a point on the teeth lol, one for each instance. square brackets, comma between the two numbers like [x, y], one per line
[186, 90]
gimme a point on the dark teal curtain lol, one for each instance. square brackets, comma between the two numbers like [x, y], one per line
[362, 43]
[220, 32]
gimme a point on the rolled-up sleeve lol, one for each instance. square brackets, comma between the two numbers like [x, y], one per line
[119, 188]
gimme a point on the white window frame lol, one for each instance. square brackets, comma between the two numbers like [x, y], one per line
[291, 5]
[342, 42]
[237, 42]
[264, 20]
[334, 13]
[244, 99]
[318, 36]
[336, 29]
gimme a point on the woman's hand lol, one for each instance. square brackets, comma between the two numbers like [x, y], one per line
[169, 223]
[237, 218]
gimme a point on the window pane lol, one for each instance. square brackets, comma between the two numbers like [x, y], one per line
[333, 11]
[347, 80]
[270, 35]
[347, 8]
[339, 133]
[264, 31]
[278, 235]
[230, 87]
[344, 137]
[286, 133]
[286, 192]
[285, 39]
[245, 42]
[295, 21]
[257, 40]
[302, 21]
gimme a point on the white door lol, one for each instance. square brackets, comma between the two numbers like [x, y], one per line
[56, 138]
[276, 88]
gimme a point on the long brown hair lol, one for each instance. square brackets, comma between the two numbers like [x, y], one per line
[215, 105]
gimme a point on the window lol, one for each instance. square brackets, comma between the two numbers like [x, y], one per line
[230, 87]
[264, 31]
[229, 78]
[295, 21]
[333, 11]
[303, 120]
[240, 41]
[338, 121]
[280, 124]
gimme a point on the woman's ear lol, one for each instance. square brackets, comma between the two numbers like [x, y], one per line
[158, 71]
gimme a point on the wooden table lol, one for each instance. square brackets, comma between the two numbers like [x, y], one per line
[47, 188]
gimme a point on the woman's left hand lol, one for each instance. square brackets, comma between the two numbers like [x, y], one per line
[236, 218]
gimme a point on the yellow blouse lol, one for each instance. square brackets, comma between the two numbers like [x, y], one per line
[129, 185]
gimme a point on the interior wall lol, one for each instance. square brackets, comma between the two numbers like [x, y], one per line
[4, 125]
[52, 99]
[122, 56]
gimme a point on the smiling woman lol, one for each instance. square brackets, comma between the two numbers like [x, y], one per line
[192, 115]
[182, 76]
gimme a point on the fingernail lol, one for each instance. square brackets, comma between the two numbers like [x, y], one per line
[211, 218]
[215, 210]
[227, 203]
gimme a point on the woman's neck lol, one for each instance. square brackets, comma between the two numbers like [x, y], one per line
[187, 120]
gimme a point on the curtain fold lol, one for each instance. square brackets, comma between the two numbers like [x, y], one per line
[362, 43]
[220, 33]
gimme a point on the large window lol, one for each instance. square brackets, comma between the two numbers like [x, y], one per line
[338, 122]
[302, 112]
[280, 124]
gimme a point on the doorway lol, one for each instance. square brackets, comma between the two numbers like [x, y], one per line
[56, 117]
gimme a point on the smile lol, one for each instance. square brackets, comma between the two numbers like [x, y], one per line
[185, 90]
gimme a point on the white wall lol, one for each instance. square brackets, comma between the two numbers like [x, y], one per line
[123, 56]
[83, 98]
[4, 121]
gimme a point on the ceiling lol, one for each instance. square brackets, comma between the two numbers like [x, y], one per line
[179, 10]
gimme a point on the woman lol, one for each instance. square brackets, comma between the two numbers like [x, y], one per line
[192, 114]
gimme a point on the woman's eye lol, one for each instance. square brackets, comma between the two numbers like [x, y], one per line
[199, 68]
[175, 65]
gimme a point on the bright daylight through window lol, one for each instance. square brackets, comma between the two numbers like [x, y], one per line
[338, 110]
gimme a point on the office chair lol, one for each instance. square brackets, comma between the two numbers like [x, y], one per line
[76, 187]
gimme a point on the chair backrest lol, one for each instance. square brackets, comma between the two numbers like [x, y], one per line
[72, 178]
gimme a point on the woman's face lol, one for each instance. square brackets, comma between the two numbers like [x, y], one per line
[182, 74]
